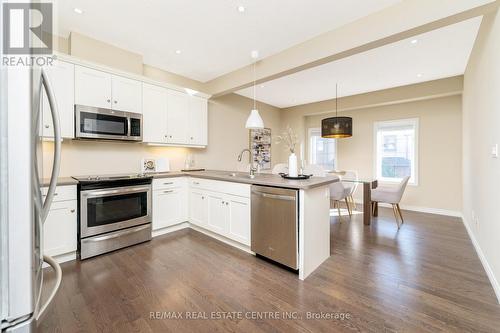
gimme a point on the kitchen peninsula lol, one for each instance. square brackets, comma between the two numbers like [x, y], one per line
[313, 209]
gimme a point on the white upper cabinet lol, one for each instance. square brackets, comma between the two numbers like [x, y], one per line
[177, 117]
[198, 118]
[61, 76]
[126, 94]
[92, 87]
[154, 113]
[103, 90]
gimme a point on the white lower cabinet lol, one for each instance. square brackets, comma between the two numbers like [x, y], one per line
[170, 202]
[60, 227]
[225, 214]
[169, 207]
[198, 208]
[217, 214]
[239, 219]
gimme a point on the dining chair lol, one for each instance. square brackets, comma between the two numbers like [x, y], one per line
[340, 193]
[315, 170]
[391, 194]
[280, 168]
[351, 175]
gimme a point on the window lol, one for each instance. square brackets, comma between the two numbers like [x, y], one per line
[396, 148]
[322, 151]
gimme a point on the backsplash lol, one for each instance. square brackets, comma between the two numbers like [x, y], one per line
[90, 157]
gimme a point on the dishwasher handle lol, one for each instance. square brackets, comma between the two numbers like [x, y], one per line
[274, 196]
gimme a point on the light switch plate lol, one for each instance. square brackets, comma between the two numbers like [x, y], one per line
[494, 151]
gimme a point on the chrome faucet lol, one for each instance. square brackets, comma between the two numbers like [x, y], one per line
[252, 167]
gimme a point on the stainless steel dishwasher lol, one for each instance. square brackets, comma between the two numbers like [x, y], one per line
[275, 224]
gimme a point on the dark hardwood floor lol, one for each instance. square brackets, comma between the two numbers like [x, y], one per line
[425, 277]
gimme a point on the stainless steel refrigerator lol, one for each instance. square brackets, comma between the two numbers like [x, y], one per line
[22, 210]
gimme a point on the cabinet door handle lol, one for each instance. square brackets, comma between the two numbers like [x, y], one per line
[166, 135]
[169, 183]
[192, 138]
[227, 203]
[116, 102]
[202, 198]
[196, 183]
[169, 191]
[72, 210]
[47, 126]
[108, 100]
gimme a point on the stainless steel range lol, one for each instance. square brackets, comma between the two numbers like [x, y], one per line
[114, 212]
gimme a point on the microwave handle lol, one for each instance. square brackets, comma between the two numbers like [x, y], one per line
[128, 127]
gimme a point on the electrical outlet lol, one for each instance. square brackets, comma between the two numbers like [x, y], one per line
[494, 151]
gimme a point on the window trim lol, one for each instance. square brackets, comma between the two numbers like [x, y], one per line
[397, 122]
[310, 150]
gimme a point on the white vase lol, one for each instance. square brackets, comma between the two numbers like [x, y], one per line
[292, 165]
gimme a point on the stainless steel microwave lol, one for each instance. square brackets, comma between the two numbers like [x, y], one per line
[106, 124]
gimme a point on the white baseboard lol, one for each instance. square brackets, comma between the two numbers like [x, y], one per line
[221, 238]
[429, 210]
[484, 262]
[62, 258]
[184, 225]
[167, 230]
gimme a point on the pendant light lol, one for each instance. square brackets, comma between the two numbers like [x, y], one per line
[336, 127]
[254, 120]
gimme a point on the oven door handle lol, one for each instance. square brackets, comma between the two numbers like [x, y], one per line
[114, 191]
[118, 233]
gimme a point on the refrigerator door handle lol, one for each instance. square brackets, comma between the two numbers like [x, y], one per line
[51, 261]
[50, 193]
[57, 145]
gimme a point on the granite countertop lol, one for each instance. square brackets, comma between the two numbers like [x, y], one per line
[264, 179]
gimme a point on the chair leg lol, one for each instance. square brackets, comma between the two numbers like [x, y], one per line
[338, 210]
[348, 207]
[395, 210]
[400, 214]
[353, 204]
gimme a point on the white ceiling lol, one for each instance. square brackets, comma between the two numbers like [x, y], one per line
[213, 36]
[437, 54]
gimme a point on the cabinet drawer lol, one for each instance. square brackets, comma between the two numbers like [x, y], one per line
[63, 193]
[242, 190]
[163, 183]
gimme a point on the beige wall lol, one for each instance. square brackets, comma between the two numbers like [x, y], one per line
[481, 130]
[295, 116]
[94, 50]
[227, 115]
[91, 157]
[440, 148]
[227, 136]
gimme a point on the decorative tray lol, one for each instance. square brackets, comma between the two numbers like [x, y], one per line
[299, 177]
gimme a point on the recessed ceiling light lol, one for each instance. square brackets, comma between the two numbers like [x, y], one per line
[414, 41]
[241, 9]
[178, 51]
[419, 75]
[78, 11]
